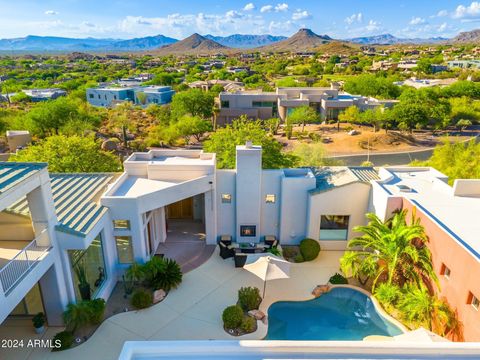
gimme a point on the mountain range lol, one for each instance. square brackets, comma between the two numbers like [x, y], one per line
[303, 40]
[389, 39]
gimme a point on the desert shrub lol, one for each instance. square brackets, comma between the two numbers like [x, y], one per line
[141, 299]
[249, 298]
[314, 137]
[248, 324]
[232, 317]
[387, 294]
[299, 258]
[338, 279]
[65, 340]
[309, 249]
[97, 310]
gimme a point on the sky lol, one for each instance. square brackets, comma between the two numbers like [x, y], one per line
[180, 18]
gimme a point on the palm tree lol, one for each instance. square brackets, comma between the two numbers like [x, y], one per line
[398, 249]
[359, 267]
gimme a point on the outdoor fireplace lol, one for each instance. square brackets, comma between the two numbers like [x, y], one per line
[248, 230]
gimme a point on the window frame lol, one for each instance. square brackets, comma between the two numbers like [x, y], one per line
[226, 198]
[119, 258]
[346, 229]
[120, 228]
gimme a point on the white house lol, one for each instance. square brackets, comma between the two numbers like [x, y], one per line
[51, 224]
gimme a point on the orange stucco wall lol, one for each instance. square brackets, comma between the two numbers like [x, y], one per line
[464, 277]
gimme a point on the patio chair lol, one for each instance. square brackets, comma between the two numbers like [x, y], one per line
[271, 241]
[240, 259]
[226, 239]
[226, 251]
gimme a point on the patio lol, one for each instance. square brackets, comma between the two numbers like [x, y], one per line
[186, 244]
[193, 311]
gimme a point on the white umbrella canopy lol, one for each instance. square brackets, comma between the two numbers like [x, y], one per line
[267, 267]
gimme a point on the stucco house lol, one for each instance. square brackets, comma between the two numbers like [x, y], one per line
[50, 223]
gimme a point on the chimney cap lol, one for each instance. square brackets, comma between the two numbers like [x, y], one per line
[248, 144]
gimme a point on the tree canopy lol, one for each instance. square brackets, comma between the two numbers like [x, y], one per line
[70, 154]
[224, 141]
[194, 102]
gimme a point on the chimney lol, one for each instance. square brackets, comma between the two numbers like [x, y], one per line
[248, 144]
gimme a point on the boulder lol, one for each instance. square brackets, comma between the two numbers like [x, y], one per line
[257, 314]
[109, 145]
[320, 290]
[265, 320]
[158, 295]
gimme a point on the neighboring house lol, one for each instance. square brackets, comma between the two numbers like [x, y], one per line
[464, 64]
[422, 83]
[18, 139]
[329, 103]
[109, 96]
[111, 221]
[228, 85]
[37, 95]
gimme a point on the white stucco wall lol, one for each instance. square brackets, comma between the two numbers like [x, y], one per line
[270, 212]
[293, 208]
[351, 200]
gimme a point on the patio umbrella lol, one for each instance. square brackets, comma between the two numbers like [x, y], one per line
[267, 267]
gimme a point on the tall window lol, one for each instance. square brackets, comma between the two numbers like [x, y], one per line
[334, 227]
[92, 262]
[124, 249]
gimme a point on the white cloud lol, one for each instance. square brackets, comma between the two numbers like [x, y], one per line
[442, 27]
[417, 21]
[266, 8]
[281, 7]
[373, 26]
[301, 15]
[470, 11]
[354, 18]
[51, 12]
[232, 14]
[442, 13]
[249, 7]
[88, 24]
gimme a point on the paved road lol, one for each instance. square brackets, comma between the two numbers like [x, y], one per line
[381, 159]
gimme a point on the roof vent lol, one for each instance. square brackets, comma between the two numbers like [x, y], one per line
[248, 144]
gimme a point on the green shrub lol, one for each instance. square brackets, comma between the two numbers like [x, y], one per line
[97, 308]
[387, 293]
[232, 317]
[338, 279]
[163, 274]
[248, 324]
[141, 299]
[299, 258]
[62, 340]
[77, 315]
[249, 298]
[309, 249]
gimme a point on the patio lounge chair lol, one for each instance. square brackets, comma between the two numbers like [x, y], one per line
[271, 241]
[226, 239]
[226, 251]
[240, 259]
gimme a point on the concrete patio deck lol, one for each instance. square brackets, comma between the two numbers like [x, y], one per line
[193, 311]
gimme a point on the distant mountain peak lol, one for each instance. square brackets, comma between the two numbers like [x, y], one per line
[245, 41]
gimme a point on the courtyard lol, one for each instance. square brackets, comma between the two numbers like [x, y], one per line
[191, 312]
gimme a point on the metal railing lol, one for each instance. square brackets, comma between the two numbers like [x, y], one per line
[13, 272]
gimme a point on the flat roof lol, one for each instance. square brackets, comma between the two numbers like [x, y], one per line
[135, 186]
[75, 198]
[13, 173]
[457, 215]
[173, 157]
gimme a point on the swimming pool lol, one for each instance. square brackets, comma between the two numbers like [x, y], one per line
[341, 314]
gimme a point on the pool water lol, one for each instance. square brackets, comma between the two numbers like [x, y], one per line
[341, 314]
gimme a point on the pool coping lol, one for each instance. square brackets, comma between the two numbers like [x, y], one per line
[378, 308]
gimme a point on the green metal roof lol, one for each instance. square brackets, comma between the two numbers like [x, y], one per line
[13, 173]
[75, 197]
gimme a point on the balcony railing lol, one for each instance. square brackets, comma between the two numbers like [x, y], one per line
[13, 272]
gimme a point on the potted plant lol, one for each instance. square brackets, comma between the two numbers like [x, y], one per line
[39, 323]
[83, 285]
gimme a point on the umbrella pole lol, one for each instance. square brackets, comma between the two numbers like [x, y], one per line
[264, 286]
